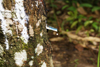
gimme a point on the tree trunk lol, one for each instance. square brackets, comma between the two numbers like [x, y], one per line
[23, 36]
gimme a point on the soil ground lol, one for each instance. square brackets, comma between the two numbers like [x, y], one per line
[66, 55]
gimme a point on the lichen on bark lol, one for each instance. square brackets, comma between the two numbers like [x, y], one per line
[31, 16]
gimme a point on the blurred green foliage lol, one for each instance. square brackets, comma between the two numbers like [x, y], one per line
[76, 20]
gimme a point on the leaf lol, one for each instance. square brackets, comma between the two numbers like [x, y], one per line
[87, 23]
[75, 14]
[91, 30]
[74, 24]
[90, 18]
[67, 30]
[78, 29]
[72, 8]
[85, 5]
[95, 8]
[62, 25]
[95, 26]
[53, 5]
[98, 60]
[52, 1]
[66, 1]
[70, 19]
[64, 7]
[70, 13]
[58, 12]
[71, 16]
[80, 17]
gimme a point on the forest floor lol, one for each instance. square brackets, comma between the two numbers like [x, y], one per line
[65, 53]
[68, 53]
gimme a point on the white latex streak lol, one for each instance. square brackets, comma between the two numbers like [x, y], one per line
[3, 24]
[22, 18]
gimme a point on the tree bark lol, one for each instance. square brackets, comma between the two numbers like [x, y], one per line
[23, 36]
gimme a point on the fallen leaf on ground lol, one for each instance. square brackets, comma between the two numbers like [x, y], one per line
[79, 47]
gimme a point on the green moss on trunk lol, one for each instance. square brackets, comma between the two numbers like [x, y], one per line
[16, 44]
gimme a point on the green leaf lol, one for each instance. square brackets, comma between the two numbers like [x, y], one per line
[70, 13]
[87, 33]
[52, 1]
[75, 14]
[98, 60]
[85, 5]
[74, 24]
[70, 19]
[87, 23]
[90, 18]
[72, 8]
[62, 25]
[53, 5]
[91, 30]
[80, 17]
[78, 29]
[71, 16]
[67, 30]
[95, 8]
[64, 7]
[58, 12]
[95, 26]
[67, 1]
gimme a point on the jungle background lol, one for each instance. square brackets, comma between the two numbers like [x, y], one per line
[78, 22]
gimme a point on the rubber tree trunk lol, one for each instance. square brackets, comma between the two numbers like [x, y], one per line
[23, 36]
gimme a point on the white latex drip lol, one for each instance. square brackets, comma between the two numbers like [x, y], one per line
[22, 18]
[3, 24]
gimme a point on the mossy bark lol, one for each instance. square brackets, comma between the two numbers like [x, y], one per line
[36, 20]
